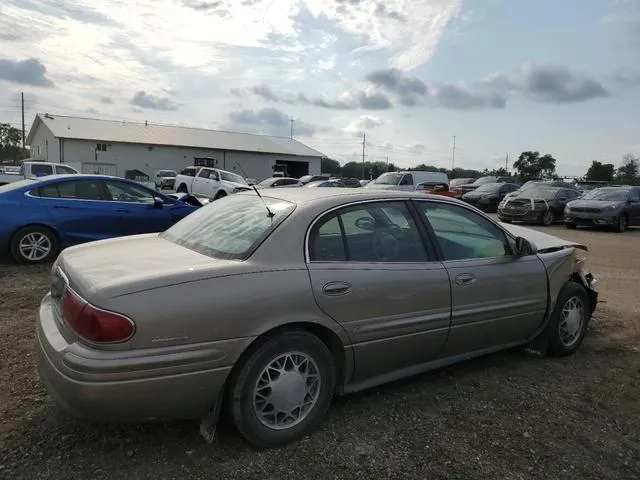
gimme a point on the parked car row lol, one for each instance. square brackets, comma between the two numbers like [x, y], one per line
[548, 203]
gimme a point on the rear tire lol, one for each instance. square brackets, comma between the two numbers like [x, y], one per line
[282, 389]
[182, 189]
[35, 244]
[569, 321]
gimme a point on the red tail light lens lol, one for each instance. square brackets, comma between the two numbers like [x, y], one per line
[94, 324]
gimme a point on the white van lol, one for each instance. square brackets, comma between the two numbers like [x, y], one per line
[406, 180]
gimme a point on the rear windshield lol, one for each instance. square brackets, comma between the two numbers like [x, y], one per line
[15, 185]
[231, 227]
[538, 192]
[483, 180]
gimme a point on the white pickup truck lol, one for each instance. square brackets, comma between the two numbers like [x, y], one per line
[36, 170]
[209, 183]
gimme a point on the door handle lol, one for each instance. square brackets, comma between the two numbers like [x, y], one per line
[336, 288]
[465, 279]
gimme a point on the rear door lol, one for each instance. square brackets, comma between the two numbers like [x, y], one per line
[372, 271]
[80, 211]
[206, 183]
[136, 208]
[497, 299]
[634, 206]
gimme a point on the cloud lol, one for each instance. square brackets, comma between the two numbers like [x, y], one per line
[273, 122]
[27, 72]
[363, 124]
[106, 100]
[144, 100]
[627, 77]
[417, 147]
[409, 89]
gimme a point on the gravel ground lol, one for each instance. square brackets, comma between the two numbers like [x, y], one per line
[507, 416]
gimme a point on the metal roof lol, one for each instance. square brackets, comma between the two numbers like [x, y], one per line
[169, 135]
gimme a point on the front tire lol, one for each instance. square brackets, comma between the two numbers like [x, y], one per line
[220, 194]
[34, 245]
[282, 389]
[622, 223]
[547, 218]
[569, 320]
[182, 189]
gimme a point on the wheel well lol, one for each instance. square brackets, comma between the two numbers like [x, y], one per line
[221, 193]
[326, 335]
[40, 225]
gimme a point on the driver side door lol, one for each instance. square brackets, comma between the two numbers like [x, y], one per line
[136, 207]
[497, 298]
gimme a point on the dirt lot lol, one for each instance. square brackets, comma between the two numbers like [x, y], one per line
[507, 416]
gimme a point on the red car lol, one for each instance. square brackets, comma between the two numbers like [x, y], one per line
[436, 189]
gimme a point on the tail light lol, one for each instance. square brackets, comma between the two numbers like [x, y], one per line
[92, 323]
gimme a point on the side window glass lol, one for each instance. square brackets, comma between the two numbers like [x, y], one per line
[124, 192]
[49, 191]
[374, 232]
[62, 169]
[463, 234]
[80, 190]
[325, 242]
[634, 194]
[42, 170]
[214, 176]
[407, 180]
[204, 173]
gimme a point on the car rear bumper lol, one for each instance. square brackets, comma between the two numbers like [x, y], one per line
[522, 216]
[122, 391]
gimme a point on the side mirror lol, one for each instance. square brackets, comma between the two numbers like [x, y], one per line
[524, 247]
[365, 223]
[158, 202]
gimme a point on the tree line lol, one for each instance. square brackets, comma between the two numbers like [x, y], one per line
[530, 165]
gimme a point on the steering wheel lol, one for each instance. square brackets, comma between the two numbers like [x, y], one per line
[385, 246]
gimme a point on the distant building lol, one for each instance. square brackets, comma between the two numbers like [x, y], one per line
[118, 147]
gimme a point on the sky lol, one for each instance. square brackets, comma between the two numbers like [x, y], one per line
[501, 76]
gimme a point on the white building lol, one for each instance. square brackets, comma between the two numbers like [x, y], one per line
[118, 148]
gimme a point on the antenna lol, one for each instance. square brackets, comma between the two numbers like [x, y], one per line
[270, 214]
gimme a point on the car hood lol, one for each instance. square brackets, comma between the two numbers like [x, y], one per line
[594, 203]
[235, 184]
[110, 268]
[542, 241]
[380, 186]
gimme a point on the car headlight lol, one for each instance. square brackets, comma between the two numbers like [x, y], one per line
[611, 206]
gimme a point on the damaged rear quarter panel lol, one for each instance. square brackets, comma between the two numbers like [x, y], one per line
[560, 264]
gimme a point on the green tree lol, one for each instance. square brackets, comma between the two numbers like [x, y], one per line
[328, 165]
[629, 172]
[602, 172]
[532, 166]
[10, 143]
[496, 172]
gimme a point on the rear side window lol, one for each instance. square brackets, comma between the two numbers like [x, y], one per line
[63, 169]
[73, 190]
[229, 228]
[42, 170]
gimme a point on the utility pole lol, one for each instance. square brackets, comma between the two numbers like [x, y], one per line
[506, 163]
[453, 154]
[292, 128]
[22, 98]
[364, 140]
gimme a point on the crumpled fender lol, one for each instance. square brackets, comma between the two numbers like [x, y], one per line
[560, 265]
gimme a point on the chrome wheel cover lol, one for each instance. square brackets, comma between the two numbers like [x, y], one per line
[286, 391]
[572, 321]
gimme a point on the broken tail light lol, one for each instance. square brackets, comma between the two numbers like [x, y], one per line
[95, 324]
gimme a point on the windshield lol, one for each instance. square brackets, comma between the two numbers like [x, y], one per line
[538, 192]
[483, 180]
[607, 194]
[460, 181]
[489, 187]
[388, 179]
[167, 173]
[232, 177]
[230, 227]
[15, 185]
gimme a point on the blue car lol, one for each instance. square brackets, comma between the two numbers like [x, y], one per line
[40, 217]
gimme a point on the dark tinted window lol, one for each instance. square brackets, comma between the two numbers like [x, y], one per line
[126, 192]
[63, 169]
[73, 190]
[373, 232]
[41, 170]
[407, 179]
[634, 194]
